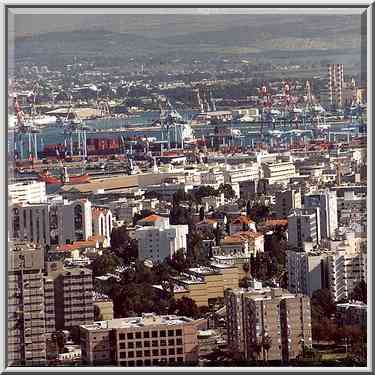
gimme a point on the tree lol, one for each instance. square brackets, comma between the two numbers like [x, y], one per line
[201, 213]
[186, 307]
[106, 263]
[359, 292]
[227, 190]
[266, 344]
[248, 208]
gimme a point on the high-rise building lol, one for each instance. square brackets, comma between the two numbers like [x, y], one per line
[148, 340]
[303, 226]
[26, 315]
[158, 240]
[285, 201]
[267, 323]
[54, 223]
[307, 271]
[72, 295]
[326, 201]
[347, 267]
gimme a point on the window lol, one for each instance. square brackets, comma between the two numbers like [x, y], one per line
[138, 344]
[122, 345]
[131, 363]
[148, 362]
[122, 355]
[130, 345]
[163, 342]
[154, 333]
[123, 363]
[163, 352]
[138, 335]
[146, 344]
[180, 359]
[155, 343]
[130, 336]
[171, 342]
[155, 362]
[179, 351]
[179, 341]
[163, 333]
[146, 335]
[170, 333]
[130, 354]
[155, 351]
[147, 353]
[171, 351]
[171, 360]
[139, 353]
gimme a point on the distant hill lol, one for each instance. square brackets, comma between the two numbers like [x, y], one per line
[43, 37]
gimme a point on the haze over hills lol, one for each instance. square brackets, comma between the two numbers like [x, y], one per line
[300, 37]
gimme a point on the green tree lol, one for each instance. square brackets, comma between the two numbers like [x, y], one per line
[106, 263]
[186, 307]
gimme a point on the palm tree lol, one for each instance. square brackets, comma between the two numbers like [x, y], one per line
[258, 349]
[266, 344]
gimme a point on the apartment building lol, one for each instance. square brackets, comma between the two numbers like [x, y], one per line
[326, 201]
[149, 340]
[27, 192]
[54, 223]
[347, 266]
[158, 240]
[285, 201]
[244, 242]
[307, 271]
[257, 315]
[72, 296]
[351, 314]
[206, 285]
[26, 308]
[241, 173]
[303, 226]
[241, 224]
[278, 172]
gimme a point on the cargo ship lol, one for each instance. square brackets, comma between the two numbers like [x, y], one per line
[65, 178]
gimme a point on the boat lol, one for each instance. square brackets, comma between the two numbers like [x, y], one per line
[65, 179]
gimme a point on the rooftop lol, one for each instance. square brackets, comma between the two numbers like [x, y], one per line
[146, 320]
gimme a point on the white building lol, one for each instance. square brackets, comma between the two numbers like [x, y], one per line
[278, 172]
[285, 201]
[242, 172]
[212, 177]
[54, 223]
[158, 240]
[27, 192]
[347, 267]
[102, 223]
[303, 226]
[307, 271]
[326, 201]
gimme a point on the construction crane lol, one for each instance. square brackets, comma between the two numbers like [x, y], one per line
[24, 127]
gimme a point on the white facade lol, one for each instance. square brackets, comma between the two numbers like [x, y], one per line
[346, 269]
[102, 223]
[285, 201]
[327, 203]
[27, 192]
[161, 240]
[242, 172]
[303, 226]
[307, 271]
[279, 172]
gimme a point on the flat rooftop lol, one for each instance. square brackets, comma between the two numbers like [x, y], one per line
[146, 320]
